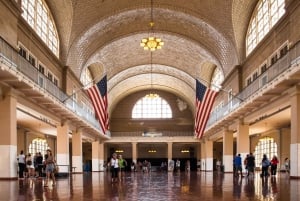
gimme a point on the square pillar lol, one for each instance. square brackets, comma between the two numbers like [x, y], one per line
[209, 155]
[228, 151]
[8, 139]
[243, 141]
[95, 156]
[77, 151]
[295, 134]
[63, 148]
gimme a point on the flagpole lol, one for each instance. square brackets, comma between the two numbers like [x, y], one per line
[76, 91]
[220, 88]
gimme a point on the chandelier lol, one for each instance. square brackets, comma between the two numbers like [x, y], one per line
[151, 43]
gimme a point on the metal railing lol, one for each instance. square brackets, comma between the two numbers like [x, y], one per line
[283, 64]
[10, 57]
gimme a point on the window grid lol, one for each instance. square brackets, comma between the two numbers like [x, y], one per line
[151, 108]
[38, 145]
[265, 146]
[267, 14]
[37, 14]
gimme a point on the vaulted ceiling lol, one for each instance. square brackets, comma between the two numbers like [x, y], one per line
[199, 36]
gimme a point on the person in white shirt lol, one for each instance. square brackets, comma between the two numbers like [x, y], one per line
[114, 167]
[21, 163]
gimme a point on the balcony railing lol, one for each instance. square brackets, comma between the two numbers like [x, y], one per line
[10, 57]
[284, 64]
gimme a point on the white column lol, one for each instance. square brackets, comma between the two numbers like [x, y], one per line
[95, 156]
[77, 151]
[101, 156]
[295, 134]
[228, 151]
[170, 154]
[243, 141]
[203, 157]
[8, 139]
[134, 152]
[63, 147]
[209, 155]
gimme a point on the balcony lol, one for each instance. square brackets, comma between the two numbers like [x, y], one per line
[17, 72]
[284, 73]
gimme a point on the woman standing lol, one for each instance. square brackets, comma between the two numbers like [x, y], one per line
[114, 167]
[265, 163]
[29, 165]
[50, 166]
[274, 163]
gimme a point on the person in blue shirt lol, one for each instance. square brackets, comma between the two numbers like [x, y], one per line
[238, 165]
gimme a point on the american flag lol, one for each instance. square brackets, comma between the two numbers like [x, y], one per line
[98, 95]
[204, 101]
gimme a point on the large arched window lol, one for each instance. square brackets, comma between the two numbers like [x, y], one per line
[38, 145]
[151, 107]
[217, 79]
[265, 146]
[38, 16]
[264, 17]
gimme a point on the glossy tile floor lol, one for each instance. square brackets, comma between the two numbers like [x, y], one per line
[155, 186]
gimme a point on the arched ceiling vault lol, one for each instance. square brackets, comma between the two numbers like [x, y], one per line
[199, 36]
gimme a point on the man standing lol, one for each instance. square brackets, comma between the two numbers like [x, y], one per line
[21, 163]
[238, 165]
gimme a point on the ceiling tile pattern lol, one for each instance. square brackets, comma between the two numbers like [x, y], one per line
[199, 36]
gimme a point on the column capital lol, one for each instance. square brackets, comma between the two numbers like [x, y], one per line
[295, 90]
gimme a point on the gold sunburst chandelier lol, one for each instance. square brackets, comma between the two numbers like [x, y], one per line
[151, 43]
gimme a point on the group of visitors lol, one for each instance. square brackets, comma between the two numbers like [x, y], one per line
[117, 167]
[33, 167]
[268, 167]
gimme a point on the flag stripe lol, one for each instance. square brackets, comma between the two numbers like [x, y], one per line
[98, 96]
[204, 102]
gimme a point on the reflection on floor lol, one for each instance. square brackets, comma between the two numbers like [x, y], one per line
[155, 186]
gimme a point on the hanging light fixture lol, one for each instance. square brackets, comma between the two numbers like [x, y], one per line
[151, 95]
[151, 43]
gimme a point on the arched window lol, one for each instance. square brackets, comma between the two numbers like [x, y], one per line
[38, 145]
[86, 78]
[265, 146]
[38, 16]
[264, 17]
[151, 107]
[217, 79]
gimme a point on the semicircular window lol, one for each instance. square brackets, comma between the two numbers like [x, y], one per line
[151, 107]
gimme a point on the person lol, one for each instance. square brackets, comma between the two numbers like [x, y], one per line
[265, 163]
[39, 162]
[287, 165]
[187, 166]
[218, 165]
[250, 164]
[246, 164]
[133, 169]
[122, 165]
[114, 167]
[238, 165]
[50, 168]
[177, 165]
[30, 165]
[274, 163]
[21, 164]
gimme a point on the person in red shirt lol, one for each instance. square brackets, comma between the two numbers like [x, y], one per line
[274, 163]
